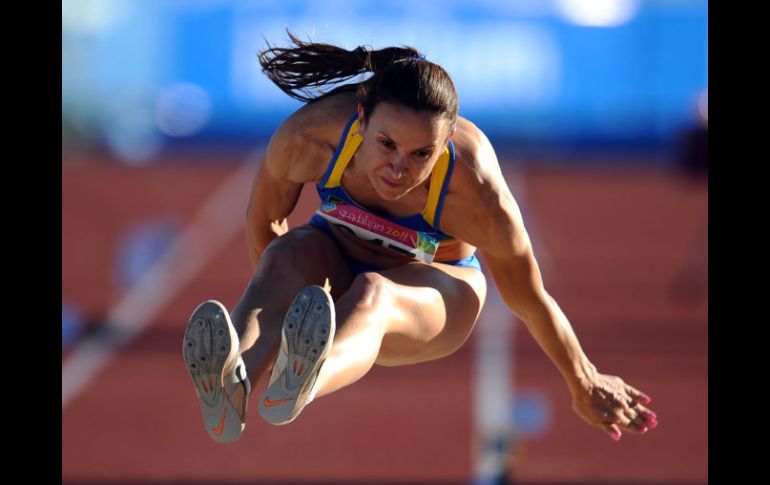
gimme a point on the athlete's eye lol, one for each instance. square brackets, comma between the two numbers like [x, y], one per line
[422, 153]
[387, 143]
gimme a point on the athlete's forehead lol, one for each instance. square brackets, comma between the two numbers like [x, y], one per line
[408, 127]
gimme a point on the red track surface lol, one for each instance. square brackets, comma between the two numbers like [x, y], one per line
[611, 245]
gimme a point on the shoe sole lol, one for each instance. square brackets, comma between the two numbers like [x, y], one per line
[308, 331]
[210, 347]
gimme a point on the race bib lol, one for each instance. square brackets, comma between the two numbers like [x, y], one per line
[370, 227]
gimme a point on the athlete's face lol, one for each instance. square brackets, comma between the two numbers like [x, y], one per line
[400, 147]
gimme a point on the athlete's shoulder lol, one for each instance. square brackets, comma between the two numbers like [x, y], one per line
[310, 134]
[324, 119]
[477, 190]
[476, 164]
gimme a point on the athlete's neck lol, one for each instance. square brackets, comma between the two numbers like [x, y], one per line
[357, 185]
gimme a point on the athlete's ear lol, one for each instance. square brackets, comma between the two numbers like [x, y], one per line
[361, 115]
[452, 135]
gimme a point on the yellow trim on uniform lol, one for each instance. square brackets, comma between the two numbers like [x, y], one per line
[352, 142]
[436, 182]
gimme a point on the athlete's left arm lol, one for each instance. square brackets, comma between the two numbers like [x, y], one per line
[495, 226]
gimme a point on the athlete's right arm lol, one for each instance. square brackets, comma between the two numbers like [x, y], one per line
[287, 164]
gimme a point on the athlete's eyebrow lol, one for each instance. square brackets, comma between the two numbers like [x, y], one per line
[394, 142]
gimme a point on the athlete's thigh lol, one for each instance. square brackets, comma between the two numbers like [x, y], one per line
[436, 307]
[303, 256]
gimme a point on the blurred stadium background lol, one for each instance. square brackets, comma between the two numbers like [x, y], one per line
[598, 110]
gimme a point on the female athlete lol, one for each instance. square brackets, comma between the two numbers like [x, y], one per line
[386, 270]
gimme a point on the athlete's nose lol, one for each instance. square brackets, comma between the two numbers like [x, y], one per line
[397, 168]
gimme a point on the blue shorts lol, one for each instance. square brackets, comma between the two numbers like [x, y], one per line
[357, 267]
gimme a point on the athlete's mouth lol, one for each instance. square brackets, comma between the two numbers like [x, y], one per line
[390, 183]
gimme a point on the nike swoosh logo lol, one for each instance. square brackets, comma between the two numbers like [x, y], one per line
[218, 430]
[268, 403]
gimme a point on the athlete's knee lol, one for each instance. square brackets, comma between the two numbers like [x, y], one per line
[462, 307]
[371, 290]
[278, 256]
[283, 257]
[297, 248]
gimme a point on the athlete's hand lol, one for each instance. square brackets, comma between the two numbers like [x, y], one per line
[609, 403]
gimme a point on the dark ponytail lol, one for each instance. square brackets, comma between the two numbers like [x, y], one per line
[309, 66]
[401, 75]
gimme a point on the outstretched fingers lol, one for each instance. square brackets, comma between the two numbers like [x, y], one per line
[613, 430]
[615, 421]
[615, 407]
[635, 422]
[637, 395]
[620, 415]
[646, 416]
[639, 403]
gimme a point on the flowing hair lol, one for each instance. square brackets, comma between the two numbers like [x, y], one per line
[400, 75]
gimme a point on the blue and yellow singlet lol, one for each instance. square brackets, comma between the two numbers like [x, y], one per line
[417, 236]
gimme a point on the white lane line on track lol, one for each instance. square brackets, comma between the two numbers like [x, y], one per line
[493, 393]
[215, 224]
[493, 361]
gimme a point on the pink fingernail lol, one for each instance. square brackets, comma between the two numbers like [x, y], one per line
[646, 399]
[644, 429]
[653, 424]
[615, 435]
